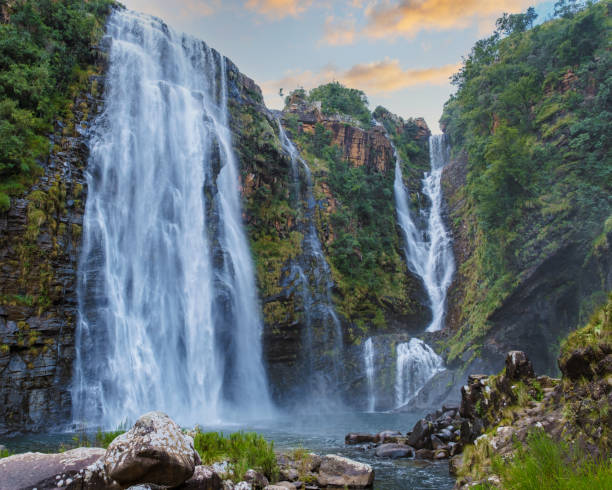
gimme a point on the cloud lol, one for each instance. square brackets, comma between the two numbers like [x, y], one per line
[278, 9]
[408, 17]
[339, 33]
[180, 10]
[380, 77]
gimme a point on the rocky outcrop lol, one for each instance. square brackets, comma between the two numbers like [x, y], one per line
[336, 471]
[40, 239]
[154, 451]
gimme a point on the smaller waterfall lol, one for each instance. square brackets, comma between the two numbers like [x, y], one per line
[416, 363]
[368, 357]
[428, 251]
[323, 333]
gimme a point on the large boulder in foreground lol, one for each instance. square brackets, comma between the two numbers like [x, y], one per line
[336, 471]
[154, 451]
[37, 470]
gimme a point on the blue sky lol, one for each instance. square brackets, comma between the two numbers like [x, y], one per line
[399, 52]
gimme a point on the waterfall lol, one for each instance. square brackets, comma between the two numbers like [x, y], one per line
[428, 251]
[368, 357]
[168, 311]
[322, 329]
[416, 363]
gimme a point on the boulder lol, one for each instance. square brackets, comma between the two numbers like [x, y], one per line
[419, 434]
[36, 470]
[256, 479]
[388, 436]
[394, 451]
[440, 454]
[360, 438]
[204, 478]
[289, 474]
[436, 442]
[424, 454]
[337, 471]
[282, 485]
[518, 366]
[243, 485]
[454, 464]
[153, 451]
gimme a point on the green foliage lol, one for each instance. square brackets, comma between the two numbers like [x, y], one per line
[545, 464]
[336, 98]
[44, 48]
[531, 113]
[103, 439]
[242, 450]
[5, 453]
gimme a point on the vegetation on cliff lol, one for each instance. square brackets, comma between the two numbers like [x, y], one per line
[45, 52]
[531, 114]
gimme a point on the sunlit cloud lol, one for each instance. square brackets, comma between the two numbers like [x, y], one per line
[279, 9]
[381, 77]
[180, 10]
[339, 33]
[408, 17]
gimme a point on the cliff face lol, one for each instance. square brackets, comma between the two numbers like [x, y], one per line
[40, 239]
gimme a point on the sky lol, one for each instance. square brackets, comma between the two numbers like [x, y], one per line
[401, 53]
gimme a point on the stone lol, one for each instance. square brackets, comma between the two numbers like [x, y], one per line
[436, 442]
[424, 454]
[243, 485]
[313, 462]
[36, 470]
[256, 479]
[454, 465]
[394, 451]
[289, 474]
[440, 454]
[203, 478]
[337, 471]
[153, 451]
[419, 434]
[284, 485]
[388, 436]
[518, 366]
[360, 438]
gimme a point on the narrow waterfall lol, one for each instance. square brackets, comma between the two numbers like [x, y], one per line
[168, 311]
[428, 251]
[368, 357]
[323, 331]
[416, 363]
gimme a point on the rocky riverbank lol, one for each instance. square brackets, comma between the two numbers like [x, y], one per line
[156, 453]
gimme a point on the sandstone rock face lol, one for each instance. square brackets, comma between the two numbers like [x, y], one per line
[336, 471]
[36, 470]
[153, 451]
[40, 239]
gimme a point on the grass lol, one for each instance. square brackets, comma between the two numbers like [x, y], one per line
[545, 464]
[242, 450]
[5, 453]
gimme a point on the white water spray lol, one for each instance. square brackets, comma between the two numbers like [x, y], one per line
[368, 357]
[168, 311]
[416, 363]
[428, 251]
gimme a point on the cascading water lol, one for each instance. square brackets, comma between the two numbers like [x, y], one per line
[168, 312]
[323, 331]
[428, 251]
[416, 363]
[368, 357]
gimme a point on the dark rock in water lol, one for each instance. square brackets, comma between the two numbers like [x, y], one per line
[256, 479]
[518, 366]
[336, 471]
[388, 436]
[394, 451]
[360, 438]
[436, 442]
[204, 478]
[419, 434]
[75, 469]
[440, 454]
[153, 451]
[424, 454]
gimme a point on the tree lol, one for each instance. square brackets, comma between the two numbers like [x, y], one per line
[567, 8]
[510, 23]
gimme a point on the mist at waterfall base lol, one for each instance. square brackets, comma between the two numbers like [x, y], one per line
[168, 309]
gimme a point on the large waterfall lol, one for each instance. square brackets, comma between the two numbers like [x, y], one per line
[322, 358]
[169, 316]
[428, 249]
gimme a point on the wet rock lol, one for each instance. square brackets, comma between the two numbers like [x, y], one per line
[256, 479]
[394, 451]
[203, 478]
[36, 470]
[360, 438]
[289, 474]
[388, 436]
[440, 454]
[420, 434]
[424, 454]
[518, 366]
[337, 471]
[153, 451]
[437, 443]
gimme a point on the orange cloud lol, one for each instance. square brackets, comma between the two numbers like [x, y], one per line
[278, 9]
[181, 10]
[339, 34]
[411, 16]
[373, 78]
